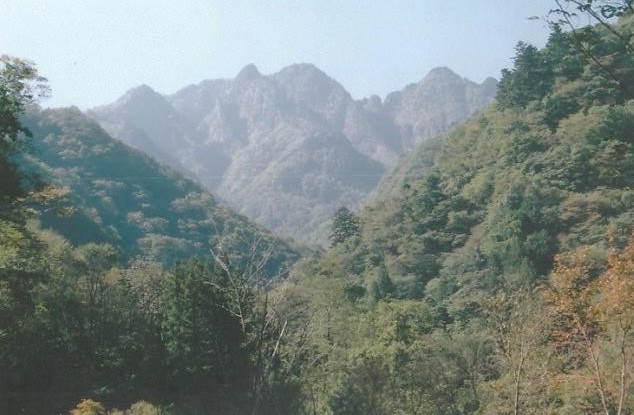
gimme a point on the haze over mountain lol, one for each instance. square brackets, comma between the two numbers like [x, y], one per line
[288, 149]
[120, 196]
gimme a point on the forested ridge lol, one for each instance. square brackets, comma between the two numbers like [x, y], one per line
[117, 195]
[497, 279]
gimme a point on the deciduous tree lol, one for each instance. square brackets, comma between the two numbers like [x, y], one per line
[20, 86]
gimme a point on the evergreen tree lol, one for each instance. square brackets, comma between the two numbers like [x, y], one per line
[529, 80]
[345, 225]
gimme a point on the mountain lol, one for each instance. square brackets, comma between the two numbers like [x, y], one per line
[288, 149]
[121, 196]
[440, 100]
[497, 258]
[492, 273]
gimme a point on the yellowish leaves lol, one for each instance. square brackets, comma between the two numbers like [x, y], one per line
[616, 288]
[592, 303]
[571, 294]
[88, 407]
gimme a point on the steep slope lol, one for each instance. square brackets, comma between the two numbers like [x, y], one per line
[503, 264]
[546, 170]
[411, 166]
[121, 196]
[249, 138]
[440, 100]
[312, 176]
[144, 119]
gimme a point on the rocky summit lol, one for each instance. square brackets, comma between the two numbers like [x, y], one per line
[288, 149]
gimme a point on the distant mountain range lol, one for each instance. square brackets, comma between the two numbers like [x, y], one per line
[288, 149]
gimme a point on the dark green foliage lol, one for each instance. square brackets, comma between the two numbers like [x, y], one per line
[198, 329]
[577, 70]
[522, 228]
[546, 170]
[72, 326]
[437, 374]
[20, 87]
[119, 196]
[382, 286]
[345, 225]
[491, 207]
[529, 80]
[365, 389]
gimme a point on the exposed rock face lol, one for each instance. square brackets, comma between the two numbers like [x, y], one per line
[440, 100]
[288, 149]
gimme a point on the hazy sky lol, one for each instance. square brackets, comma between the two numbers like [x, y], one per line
[92, 51]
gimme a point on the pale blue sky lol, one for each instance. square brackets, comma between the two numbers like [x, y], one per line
[92, 51]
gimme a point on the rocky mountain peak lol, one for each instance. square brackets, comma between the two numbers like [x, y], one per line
[441, 99]
[288, 149]
[490, 85]
[142, 94]
[303, 70]
[306, 78]
[309, 89]
[441, 73]
[137, 105]
[248, 73]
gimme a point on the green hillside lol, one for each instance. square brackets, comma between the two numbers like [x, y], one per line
[545, 170]
[120, 196]
[475, 288]
[120, 279]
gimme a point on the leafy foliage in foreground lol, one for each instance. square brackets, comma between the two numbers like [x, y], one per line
[73, 324]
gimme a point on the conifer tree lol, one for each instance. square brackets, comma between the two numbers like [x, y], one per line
[345, 225]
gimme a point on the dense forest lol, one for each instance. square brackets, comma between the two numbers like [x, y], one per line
[495, 277]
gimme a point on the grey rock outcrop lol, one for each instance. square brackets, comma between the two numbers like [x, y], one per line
[288, 149]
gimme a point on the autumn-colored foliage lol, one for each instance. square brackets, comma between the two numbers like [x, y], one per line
[593, 307]
[88, 407]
